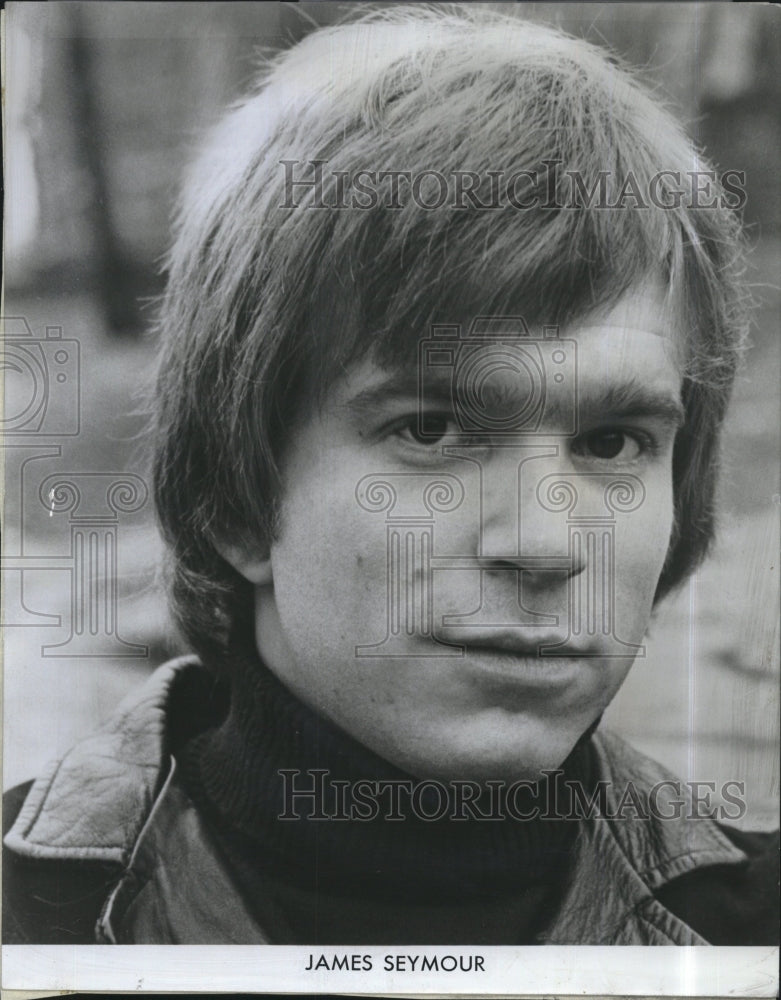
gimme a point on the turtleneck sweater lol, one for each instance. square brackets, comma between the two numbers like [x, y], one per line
[413, 879]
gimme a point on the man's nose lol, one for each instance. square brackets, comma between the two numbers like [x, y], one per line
[517, 531]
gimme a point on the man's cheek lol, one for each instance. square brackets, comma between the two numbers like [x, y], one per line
[641, 548]
[460, 592]
[358, 582]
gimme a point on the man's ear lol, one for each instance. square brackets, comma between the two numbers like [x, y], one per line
[250, 563]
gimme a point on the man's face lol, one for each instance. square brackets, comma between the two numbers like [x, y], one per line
[467, 601]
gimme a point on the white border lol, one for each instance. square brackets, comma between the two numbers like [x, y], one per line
[626, 971]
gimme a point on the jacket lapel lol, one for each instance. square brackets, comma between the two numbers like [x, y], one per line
[621, 861]
[177, 889]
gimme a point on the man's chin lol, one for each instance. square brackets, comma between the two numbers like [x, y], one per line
[521, 760]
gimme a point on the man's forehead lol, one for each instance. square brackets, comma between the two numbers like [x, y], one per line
[634, 344]
[650, 306]
[598, 349]
[614, 332]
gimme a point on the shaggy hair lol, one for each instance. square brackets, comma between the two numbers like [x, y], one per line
[266, 304]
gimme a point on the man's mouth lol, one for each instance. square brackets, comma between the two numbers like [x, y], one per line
[511, 641]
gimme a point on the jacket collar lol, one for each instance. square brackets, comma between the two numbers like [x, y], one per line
[91, 804]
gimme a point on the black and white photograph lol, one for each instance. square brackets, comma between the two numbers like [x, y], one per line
[391, 495]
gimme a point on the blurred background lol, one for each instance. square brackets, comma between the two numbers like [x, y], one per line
[104, 104]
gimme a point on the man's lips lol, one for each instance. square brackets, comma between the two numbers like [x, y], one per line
[522, 644]
[514, 672]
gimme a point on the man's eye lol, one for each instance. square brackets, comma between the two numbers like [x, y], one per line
[426, 431]
[610, 444]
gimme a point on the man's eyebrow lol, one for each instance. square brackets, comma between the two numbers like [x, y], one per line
[629, 398]
[632, 398]
[404, 384]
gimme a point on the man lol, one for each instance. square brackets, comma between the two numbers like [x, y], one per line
[448, 339]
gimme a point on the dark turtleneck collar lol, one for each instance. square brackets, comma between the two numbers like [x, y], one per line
[233, 772]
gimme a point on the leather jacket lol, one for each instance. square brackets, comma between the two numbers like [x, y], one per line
[115, 802]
